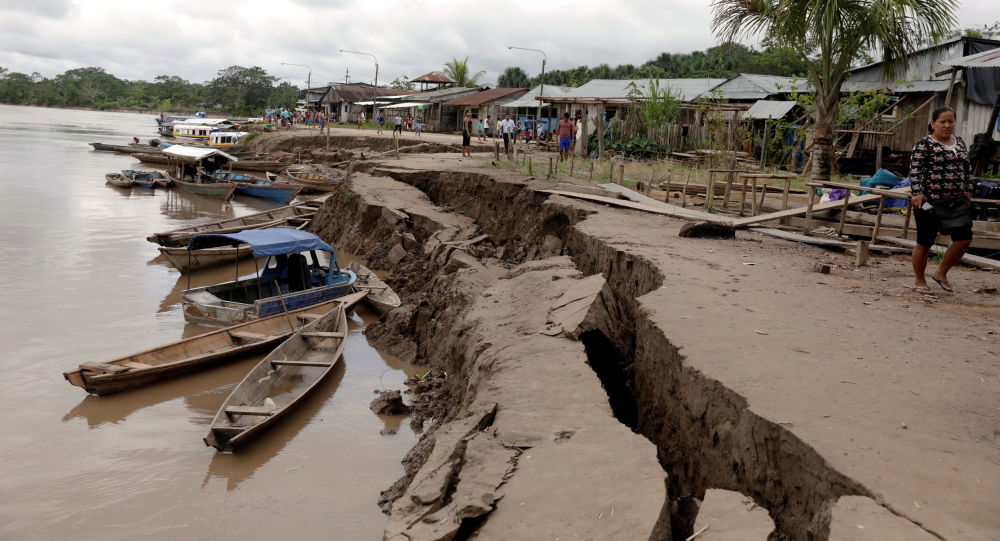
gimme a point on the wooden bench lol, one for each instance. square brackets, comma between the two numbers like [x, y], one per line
[247, 335]
[321, 364]
[250, 410]
[317, 334]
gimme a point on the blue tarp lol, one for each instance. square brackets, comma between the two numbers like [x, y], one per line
[265, 242]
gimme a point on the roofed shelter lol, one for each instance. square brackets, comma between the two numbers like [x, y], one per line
[528, 105]
[437, 114]
[435, 78]
[484, 103]
[343, 100]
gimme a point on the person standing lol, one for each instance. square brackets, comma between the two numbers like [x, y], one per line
[486, 127]
[479, 129]
[576, 136]
[507, 129]
[381, 122]
[399, 125]
[409, 122]
[940, 184]
[420, 123]
[361, 119]
[565, 131]
[467, 135]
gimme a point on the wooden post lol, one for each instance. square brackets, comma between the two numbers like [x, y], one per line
[589, 176]
[600, 132]
[497, 154]
[878, 219]
[743, 194]
[649, 184]
[550, 167]
[621, 174]
[395, 138]
[753, 198]
[784, 198]
[861, 259]
[843, 213]
[878, 157]
[728, 190]
[572, 159]
[809, 207]
[951, 86]
[710, 194]
[529, 167]
[684, 190]
[906, 222]
[763, 193]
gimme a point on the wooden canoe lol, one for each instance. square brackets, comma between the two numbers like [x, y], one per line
[380, 296]
[186, 260]
[290, 215]
[280, 381]
[310, 181]
[119, 180]
[198, 352]
[224, 190]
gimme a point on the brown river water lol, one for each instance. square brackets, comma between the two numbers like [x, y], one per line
[81, 283]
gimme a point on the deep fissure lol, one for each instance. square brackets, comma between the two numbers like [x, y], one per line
[705, 435]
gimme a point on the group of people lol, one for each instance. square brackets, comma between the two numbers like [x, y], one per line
[287, 119]
[410, 123]
[567, 131]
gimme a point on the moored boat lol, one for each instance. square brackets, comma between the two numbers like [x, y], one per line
[295, 215]
[301, 270]
[312, 181]
[380, 296]
[146, 179]
[258, 187]
[204, 185]
[118, 180]
[187, 261]
[198, 352]
[280, 381]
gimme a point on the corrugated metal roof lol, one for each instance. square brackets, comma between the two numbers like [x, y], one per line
[491, 94]
[352, 93]
[748, 86]
[432, 77]
[443, 94]
[901, 87]
[683, 89]
[985, 59]
[528, 99]
[764, 109]
[196, 153]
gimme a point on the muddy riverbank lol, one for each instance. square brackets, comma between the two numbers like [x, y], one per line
[600, 376]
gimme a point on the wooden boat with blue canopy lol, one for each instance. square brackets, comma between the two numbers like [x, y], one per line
[300, 270]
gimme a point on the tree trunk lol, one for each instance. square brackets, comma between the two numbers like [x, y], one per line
[826, 119]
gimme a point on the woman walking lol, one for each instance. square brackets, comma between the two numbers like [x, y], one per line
[941, 184]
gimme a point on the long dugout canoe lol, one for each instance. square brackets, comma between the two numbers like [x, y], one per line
[198, 352]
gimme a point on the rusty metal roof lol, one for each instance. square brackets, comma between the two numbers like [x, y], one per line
[432, 77]
[985, 59]
[491, 94]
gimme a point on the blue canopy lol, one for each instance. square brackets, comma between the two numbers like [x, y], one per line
[265, 242]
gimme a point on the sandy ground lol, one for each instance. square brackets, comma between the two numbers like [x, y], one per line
[895, 391]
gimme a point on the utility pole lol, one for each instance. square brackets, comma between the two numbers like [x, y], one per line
[538, 114]
[374, 90]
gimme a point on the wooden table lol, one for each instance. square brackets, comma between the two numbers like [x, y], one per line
[753, 177]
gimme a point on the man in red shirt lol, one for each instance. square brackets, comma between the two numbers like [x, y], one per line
[565, 130]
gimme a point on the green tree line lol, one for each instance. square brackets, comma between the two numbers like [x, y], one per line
[235, 90]
[721, 61]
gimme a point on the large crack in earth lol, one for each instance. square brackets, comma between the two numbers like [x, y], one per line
[705, 435]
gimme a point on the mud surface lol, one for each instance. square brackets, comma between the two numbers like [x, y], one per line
[592, 373]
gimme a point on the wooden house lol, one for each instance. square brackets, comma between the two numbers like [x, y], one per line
[485, 103]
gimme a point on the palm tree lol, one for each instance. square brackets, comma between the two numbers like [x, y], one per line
[829, 35]
[513, 78]
[458, 71]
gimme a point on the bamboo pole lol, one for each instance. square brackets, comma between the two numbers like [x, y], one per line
[684, 191]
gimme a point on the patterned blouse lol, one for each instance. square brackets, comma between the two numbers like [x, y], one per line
[939, 171]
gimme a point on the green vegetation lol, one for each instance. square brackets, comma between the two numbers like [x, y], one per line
[721, 61]
[829, 36]
[458, 71]
[235, 90]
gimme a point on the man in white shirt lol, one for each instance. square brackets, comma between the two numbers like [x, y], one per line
[507, 128]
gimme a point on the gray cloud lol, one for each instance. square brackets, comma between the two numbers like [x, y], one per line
[194, 38]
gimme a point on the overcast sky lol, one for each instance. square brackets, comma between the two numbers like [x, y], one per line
[139, 39]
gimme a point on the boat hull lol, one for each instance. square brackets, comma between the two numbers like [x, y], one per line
[260, 400]
[280, 193]
[379, 295]
[196, 353]
[213, 189]
[201, 307]
[186, 260]
[118, 180]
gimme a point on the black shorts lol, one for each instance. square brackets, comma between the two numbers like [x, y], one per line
[466, 139]
[927, 229]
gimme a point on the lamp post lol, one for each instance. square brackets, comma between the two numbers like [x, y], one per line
[308, 79]
[374, 90]
[538, 114]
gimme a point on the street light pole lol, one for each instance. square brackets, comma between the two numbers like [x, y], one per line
[308, 80]
[374, 90]
[538, 113]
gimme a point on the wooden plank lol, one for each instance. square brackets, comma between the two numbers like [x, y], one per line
[247, 335]
[973, 260]
[318, 334]
[250, 410]
[133, 364]
[743, 222]
[320, 364]
[824, 242]
[665, 210]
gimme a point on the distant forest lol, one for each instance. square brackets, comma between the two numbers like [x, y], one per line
[722, 61]
[242, 90]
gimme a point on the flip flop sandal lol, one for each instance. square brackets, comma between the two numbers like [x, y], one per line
[922, 290]
[945, 284]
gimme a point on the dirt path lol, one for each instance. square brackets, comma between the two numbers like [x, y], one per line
[844, 405]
